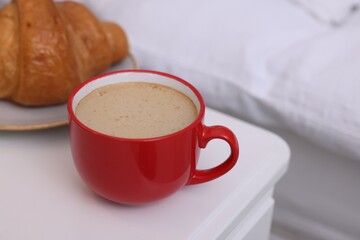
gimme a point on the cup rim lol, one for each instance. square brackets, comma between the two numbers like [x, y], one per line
[198, 119]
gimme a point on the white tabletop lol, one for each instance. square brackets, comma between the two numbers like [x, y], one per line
[42, 196]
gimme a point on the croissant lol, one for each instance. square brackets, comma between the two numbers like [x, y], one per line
[47, 49]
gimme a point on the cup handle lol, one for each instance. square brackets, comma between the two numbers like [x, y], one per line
[207, 134]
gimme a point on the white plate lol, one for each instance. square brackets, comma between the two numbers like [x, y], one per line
[17, 118]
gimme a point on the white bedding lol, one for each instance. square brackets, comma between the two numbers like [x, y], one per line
[334, 12]
[320, 84]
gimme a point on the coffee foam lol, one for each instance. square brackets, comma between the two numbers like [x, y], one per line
[136, 110]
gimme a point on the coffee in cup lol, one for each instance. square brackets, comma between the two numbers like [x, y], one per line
[136, 110]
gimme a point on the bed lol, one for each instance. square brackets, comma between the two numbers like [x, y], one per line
[291, 66]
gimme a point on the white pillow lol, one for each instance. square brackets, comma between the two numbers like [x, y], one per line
[319, 88]
[333, 12]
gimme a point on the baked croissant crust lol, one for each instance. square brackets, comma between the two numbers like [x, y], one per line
[47, 49]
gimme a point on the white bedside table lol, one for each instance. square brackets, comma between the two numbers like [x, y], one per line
[42, 196]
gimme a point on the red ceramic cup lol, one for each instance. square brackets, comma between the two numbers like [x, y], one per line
[137, 171]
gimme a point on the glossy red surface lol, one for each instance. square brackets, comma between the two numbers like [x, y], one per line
[137, 171]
